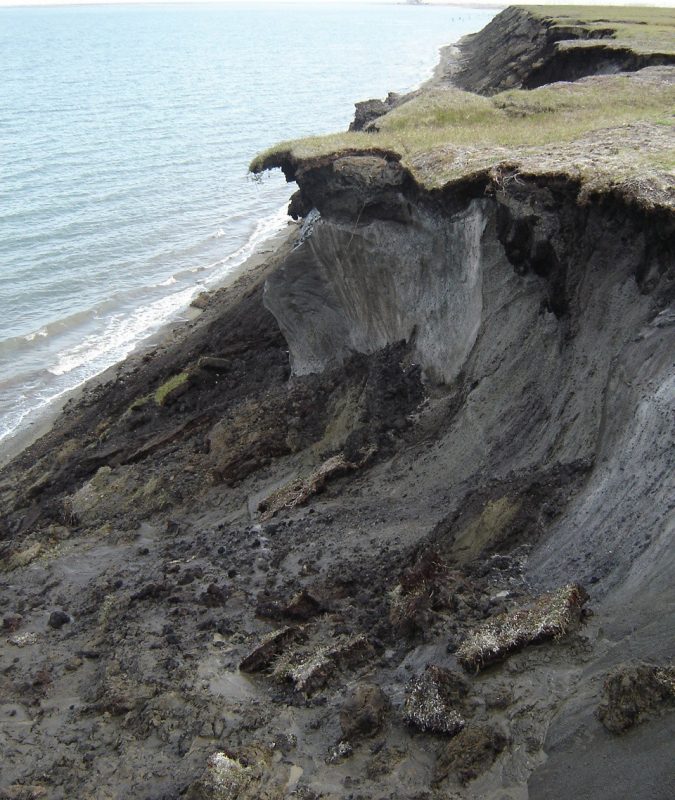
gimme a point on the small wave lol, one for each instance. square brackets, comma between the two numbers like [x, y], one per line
[264, 229]
[219, 234]
[31, 337]
[16, 347]
[168, 282]
[121, 335]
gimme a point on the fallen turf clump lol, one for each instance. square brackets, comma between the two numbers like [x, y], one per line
[434, 701]
[224, 778]
[549, 616]
[298, 492]
[310, 670]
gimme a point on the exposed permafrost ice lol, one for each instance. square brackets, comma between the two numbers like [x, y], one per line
[353, 288]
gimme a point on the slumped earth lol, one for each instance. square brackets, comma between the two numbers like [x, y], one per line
[393, 518]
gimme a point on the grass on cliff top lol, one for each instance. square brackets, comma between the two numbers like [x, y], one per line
[592, 126]
[553, 113]
[643, 29]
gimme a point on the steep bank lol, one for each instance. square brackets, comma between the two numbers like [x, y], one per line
[311, 536]
[530, 47]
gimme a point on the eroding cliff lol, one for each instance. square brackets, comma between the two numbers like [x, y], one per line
[428, 272]
[393, 517]
[522, 49]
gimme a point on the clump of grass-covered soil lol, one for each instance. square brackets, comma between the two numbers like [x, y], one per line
[548, 617]
[609, 133]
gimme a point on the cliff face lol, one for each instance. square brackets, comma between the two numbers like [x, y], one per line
[352, 289]
[304, 547]
[546, 322]
[519, 50]
[538, 311]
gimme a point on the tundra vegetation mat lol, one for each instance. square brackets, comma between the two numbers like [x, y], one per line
[605, 131]
[392, 518]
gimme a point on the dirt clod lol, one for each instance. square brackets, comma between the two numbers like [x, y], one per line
[364, 712]
[57, 619]
[262, 656]
[634, 692]
[549, 616]
[225, 778]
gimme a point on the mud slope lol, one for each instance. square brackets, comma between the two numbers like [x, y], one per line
[551, 326]
[392, 519]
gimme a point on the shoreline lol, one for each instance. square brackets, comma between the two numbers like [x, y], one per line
[41, 419]
[184, 320]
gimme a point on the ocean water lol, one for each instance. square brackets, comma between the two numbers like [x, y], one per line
[125, 136]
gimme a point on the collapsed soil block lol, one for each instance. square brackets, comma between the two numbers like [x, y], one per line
[364, 711]
[172, 389]
[309, 671]
[470, 753]
[634, 692]
[409, 612]
[225, 778]
[298, 492]
[271, 645]
[419, 587]
[302, 606]
[434, 700]
[549, 616]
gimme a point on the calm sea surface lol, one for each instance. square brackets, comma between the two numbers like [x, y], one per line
[125, 136]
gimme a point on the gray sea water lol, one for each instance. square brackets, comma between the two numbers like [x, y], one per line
[125, 136]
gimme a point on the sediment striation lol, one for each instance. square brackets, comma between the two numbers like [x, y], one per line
[392, 518]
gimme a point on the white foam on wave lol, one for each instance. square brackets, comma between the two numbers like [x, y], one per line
[11, 423]
[120, 333]
[264, 229]
[31, 337]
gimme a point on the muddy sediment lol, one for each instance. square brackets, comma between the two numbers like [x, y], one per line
[390, 519]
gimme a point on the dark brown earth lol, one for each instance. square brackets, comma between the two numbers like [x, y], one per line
[258, 580]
